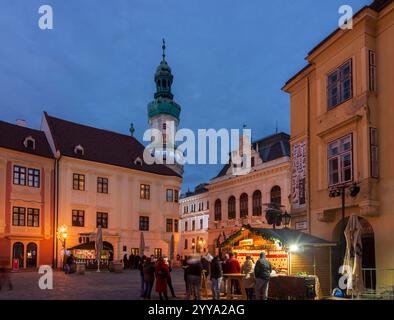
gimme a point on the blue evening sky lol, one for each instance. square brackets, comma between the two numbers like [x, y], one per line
[230, 59]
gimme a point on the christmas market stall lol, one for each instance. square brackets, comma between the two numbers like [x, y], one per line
[301, 262]
[86, 253]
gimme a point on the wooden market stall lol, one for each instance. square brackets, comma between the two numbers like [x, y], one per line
[86, 253]
[302, 262]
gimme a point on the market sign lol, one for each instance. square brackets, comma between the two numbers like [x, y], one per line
[245, 243]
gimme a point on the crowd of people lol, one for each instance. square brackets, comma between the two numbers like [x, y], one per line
[156, 273]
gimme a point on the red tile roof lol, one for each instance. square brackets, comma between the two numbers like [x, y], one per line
[12, 137]
[101, 146]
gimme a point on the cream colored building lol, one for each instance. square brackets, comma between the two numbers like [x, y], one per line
[341, 126]
[194, 213]
[241, 200]
[103, 180]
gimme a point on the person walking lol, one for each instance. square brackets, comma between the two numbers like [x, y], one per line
[249, 280]
[169, 278]
[262, 272]
[194, 272]
[185, 266]
[141, 270]
[161, 273]
[216, 277]
[149, 277]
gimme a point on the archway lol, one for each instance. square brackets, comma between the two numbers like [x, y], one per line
[18, 252]
[368, 259]
[31, 255]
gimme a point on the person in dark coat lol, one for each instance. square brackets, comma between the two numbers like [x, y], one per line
[216, 277]
[194, 272]
[161, 273]
[169, 280]
[141, 270]
[262, 272]
[125, 262]
[149, 277]
[137, 260]
[184, 267]
[131, 261]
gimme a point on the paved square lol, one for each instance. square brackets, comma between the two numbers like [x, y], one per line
[92, 285]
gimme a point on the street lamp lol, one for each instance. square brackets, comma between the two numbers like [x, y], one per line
[62, 236]
[276, 217]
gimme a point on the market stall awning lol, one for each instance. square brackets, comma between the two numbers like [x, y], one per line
[91, 246]
[286, 236]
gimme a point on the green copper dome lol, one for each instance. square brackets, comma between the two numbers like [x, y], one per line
[163, 103]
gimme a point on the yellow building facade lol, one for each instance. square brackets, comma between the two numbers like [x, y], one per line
[341, 128]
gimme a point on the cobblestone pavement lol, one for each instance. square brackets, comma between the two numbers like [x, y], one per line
[92, 285]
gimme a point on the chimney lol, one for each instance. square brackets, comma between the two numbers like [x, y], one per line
[21, 123]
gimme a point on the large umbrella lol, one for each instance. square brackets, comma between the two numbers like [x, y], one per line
[99, 246]
[142, 244]
[353, 257]
[172, 247]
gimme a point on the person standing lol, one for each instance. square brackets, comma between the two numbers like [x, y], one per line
[194, 272]
[141, 270]
[162, 274]
[249, 280]
[233, 267]
[185, 267]
[225, 271]
[262, 272]
[149, 277]
[4, 276]
[169, 282]
[125, 262]
[216, 277]
[131, 261]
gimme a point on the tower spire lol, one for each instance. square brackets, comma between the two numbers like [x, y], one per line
[164, 49]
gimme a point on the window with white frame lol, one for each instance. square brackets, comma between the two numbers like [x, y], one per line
[340, 161]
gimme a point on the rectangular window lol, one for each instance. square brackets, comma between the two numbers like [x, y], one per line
[186, 244]
[18, 216]
[340, 160]
[19, 175]
[145, 191]
[201, 223]
[176, 225]
[186, 226]
[79, 182]
[33, 217]
[102, 185]
[372, 71]
[102, 220]
[169, 225]
[176, 195]
[339, 85]
[374, 153]
[78, 218]
[193, 225]
[33, 178]
[144, 223]
[158, 252]
[170, 195]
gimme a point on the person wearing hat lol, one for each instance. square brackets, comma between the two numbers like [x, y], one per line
[262, 273]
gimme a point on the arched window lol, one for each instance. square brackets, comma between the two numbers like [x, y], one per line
[18, 252]
[31, 255]
[243, 205]
[231, 208]
[276, 195]
[218, 210]
[257, 203]
[29, 143]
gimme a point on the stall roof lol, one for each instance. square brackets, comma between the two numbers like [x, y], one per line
[286, 236]
[91, 246]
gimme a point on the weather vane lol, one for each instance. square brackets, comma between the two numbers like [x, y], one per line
[164, 49]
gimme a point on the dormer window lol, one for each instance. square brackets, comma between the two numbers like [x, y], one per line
[79, 150]
[29, 143]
